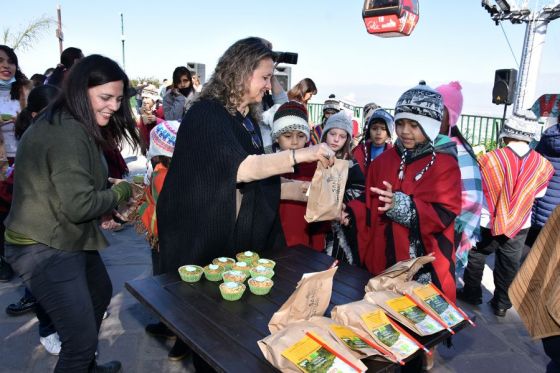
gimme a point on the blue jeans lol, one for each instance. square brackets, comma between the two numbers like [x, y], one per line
[74, 290]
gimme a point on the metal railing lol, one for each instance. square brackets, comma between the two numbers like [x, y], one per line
[478, 130]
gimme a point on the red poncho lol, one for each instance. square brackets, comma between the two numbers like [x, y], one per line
[437, 200]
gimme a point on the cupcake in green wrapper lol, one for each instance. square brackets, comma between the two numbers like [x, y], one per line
[213, 272]
[269, 263]
[190, 273]
[234, 276]
[225, 262]
[260, 285]
[248, 257]
[243, 267]
[232, 290]
[261, 271]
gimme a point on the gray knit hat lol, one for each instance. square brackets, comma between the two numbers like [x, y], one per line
[519, 129]
[423, 105]
[338, 120]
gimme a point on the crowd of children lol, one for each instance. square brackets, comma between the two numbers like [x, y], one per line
[414, 185]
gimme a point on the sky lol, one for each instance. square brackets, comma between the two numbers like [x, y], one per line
[453, 40]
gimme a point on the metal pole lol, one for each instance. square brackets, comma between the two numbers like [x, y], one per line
[59, 33]
[498, 130]
[122, 39]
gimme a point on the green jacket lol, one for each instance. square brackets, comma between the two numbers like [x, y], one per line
[60, 186]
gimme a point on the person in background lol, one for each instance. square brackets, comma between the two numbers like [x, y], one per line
[219, 141]
[376, 138]
[303, 91]
[415, 194]
[180, 97]
[512, 177]
[548, 147]
[68, 58]
[467, 224]
[37, 101]
[38, 80]
[164, 87]
[197, 85]
[62, 182]
[14, 88]
[369, 109]
[331, 106]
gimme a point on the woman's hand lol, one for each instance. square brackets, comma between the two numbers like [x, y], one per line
[320, 152]
[385, 196]
[116, 181]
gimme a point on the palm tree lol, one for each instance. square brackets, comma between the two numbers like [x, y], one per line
[23, 39]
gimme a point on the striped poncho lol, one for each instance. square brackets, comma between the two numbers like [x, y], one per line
[510, 184]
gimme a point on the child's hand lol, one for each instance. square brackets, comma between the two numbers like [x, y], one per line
[385, 196]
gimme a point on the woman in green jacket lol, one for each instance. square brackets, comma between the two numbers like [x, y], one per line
[52, 230]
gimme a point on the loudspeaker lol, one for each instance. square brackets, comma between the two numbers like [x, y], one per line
[504, 86]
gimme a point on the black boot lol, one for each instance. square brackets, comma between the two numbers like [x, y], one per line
[6, 272]
[25, 304]
[110, 367]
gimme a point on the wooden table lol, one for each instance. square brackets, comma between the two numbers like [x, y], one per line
[224, 333]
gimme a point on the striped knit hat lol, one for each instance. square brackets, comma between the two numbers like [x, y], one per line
[519, 129]
[162, 139]
[291, 116]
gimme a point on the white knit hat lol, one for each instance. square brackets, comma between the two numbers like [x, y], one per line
[162, 139]
[291, 116]
[519, 129]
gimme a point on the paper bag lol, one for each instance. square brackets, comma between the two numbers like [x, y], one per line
[406, 311]
[371, 319]
[311, 298]
[350, 337]
[326, 192]
[306, 347]
[399, 273]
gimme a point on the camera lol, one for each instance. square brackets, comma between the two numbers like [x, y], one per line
[285, 57]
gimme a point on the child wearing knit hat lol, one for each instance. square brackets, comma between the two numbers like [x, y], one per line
[162, 146]
[376, 138]
[467, 224]
[290, 131]
[343, 239]
[414, 194]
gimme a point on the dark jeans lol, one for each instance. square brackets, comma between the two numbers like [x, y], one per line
[552, 349]
[508, 255]
[74, 290]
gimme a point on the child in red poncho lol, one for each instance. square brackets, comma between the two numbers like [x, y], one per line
[414, 194]
[290, 130]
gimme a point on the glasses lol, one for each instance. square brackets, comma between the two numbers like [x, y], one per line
[255, 138]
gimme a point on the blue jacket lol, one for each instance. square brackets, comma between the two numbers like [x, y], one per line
[549, 147]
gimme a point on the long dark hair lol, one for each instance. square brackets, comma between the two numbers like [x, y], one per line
[178, 73]
[38, 99]
[93, 71]
[16, 91]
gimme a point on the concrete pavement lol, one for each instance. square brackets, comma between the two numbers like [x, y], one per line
[495, 345]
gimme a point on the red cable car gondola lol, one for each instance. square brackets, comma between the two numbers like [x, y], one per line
[389, 18]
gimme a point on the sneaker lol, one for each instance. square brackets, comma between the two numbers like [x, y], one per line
[6, 271]
[51, 343]
[160, 330]
[24, 305]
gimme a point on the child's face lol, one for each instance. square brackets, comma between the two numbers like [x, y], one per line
[378, 133]
[336, 138]
[410, 133]
[292, 140]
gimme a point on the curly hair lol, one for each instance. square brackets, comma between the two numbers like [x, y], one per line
[229, 80]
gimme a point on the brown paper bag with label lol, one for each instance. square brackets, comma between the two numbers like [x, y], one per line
[393, 277]
[311, 298]
[326, 192]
